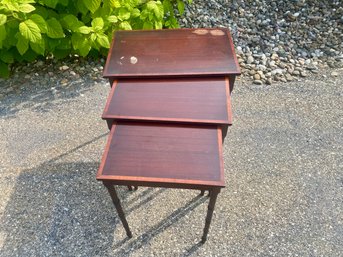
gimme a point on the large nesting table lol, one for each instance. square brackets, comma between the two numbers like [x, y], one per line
[163, 155]
[168, 111]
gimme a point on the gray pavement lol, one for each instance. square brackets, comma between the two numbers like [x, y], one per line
[283, 169]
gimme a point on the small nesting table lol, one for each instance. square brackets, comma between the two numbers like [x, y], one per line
[168, 111]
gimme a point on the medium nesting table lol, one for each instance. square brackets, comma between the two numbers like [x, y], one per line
[168, 111]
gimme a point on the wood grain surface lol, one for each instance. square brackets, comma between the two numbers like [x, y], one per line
[172, 52]
[194, 100]
[163, 153]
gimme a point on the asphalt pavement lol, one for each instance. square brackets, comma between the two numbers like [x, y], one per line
[283, 170]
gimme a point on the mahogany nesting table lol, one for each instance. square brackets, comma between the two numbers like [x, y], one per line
[178, 100]
[163, 155]
[168, 111]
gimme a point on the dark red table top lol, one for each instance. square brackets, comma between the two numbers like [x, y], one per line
[186, 100]
[172, 52]
[161, 154]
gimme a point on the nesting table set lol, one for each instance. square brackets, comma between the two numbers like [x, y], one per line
[168, 111]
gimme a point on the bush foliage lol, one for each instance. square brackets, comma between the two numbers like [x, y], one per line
[58, 28]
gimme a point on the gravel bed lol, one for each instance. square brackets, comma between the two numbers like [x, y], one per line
[277, 40]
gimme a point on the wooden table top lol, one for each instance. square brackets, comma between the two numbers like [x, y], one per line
[171, 52]
[163, 154]
[185, 100]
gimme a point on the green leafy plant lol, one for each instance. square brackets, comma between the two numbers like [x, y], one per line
[33, 28]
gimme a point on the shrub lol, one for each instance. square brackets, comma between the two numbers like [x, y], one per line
[58, 28]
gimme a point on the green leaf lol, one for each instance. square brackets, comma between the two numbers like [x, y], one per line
[82, 7]
[97, 24]
[3, 34]
[38, 47]
[135, 13]
[36, 18]
[50, 3]
[125, 25]
[112, 18]
[22, 44]
[80, 43]
[26, 8]
[181, 6]
[71, 22]
[6, 56]
[30, 55]
[102, 40]
[3, 19]
[4, 70]
[64, 43]
[148, 25]
[124, 14]
[63, 2]
[30, 30]
[92, 5]
[115, 3]
[60, 53]
[158, 25]
[85, 30]
[42, 11]
[156, 8]
[54, 29]
[12, 6]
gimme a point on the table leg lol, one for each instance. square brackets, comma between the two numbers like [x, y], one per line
[202, 192]
[130, 188]
[112, 191]
[213, 197]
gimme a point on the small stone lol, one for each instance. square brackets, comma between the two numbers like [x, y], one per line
[72, 73]
[39, 63]
[239, 50]
[289, 77]
[64, 82]
[311, 67]
[258, 82]
[276, 71]
[296, 73]
[303, 74]
[282, 65]
[51, 73]
[257, 77]
[334, 74]
[261, 67]
[64, 67]
[274, 56]
[272, 64]
[283, 79]
[250, 59]
[269, 81]
[27, 76]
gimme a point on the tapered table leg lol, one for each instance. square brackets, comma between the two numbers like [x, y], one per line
[112, 191]
[213, 197]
